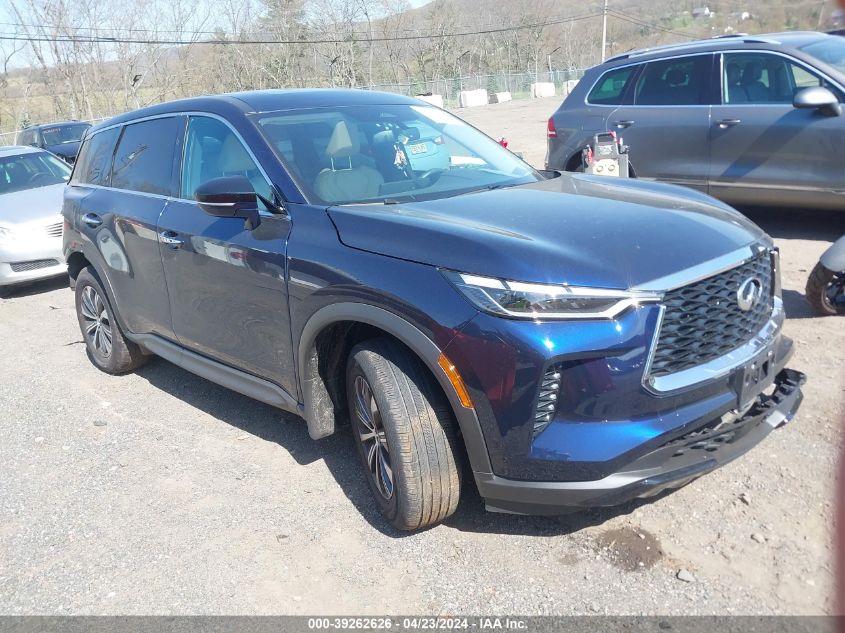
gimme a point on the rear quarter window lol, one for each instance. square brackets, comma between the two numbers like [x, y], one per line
[611, 88]
[93, 166]
[145, 156]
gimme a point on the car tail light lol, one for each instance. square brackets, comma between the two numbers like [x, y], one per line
[551, 128]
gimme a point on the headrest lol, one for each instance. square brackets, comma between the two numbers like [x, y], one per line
[676, 77]
[753, 72]
[233, 156]
[734, 72]
[384, 138]
[344, 141]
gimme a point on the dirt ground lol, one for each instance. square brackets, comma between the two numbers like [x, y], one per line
[162, 493]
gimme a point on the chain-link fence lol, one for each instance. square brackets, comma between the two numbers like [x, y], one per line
[518, 84]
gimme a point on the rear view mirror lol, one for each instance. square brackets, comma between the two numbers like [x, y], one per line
[818, 98]
[230, 197]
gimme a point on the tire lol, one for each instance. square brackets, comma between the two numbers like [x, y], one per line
[416, 438]
[6, 291]
[107, 348]
[817, 291]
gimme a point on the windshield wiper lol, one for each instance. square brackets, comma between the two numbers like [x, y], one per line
[493, 187]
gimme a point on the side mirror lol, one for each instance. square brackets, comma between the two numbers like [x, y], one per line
[818, 98]
[230, 197]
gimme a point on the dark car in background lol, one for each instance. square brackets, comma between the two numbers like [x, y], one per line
[61, 139]
[580, 343]
[752, 120]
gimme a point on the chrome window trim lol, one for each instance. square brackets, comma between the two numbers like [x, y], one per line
[151, 117]
[144, 194]
[642, 63]
[718, 367]
[189, 114]
[721, 54]
[165, 199]
[811, 69]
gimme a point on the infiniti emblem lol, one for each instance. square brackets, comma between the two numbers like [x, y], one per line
[749, 294]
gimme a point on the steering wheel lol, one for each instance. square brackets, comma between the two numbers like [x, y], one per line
[432, 176]
[35, 177]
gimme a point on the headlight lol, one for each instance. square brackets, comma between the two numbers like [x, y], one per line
[540, 301]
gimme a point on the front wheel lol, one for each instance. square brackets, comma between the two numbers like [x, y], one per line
[405, 433]
[826, 291]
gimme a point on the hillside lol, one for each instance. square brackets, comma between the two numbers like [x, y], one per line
[87, 72]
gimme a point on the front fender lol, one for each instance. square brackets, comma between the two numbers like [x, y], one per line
[834, 257]
[318, 411]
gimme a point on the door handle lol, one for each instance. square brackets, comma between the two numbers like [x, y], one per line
[726, 123]
[622, 125]
[169, 238]
[92, 220]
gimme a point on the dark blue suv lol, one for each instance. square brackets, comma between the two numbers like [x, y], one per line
[366, 257]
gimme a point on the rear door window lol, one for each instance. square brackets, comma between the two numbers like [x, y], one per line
[145, 156]
[611, 88]
[672, 82]
[93, 167]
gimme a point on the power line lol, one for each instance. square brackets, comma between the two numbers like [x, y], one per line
[303, 41]
[627, 18]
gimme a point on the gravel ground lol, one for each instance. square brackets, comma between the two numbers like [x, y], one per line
[162, 493]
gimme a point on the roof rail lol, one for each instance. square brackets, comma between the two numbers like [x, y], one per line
[746, 39]
[646, 51]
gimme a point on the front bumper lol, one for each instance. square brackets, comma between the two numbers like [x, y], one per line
[29, 260]
[670, 466]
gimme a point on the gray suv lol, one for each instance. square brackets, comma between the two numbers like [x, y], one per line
[748, 119]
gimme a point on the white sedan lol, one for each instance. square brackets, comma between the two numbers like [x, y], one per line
[32, 183]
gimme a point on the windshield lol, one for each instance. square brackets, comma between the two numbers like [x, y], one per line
[830, 50]
[370, 154]
[61, 134]
[28, 171]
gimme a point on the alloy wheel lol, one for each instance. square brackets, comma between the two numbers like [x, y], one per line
[97, 323]
[834, 292]
[373, 438]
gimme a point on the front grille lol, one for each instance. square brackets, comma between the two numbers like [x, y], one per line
[547, 400]
[36, 264]
[54, 230]
[703, 321]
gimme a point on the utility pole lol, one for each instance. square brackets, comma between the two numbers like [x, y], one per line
[604, 34]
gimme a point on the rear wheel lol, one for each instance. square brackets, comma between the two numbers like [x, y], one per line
[826, 291]
[107, 348]
[405, 433]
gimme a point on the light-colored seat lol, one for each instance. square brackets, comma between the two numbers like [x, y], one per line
[346, 179]
[235, 160]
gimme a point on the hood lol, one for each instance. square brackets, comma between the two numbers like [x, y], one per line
[575, 229]
[32, 205]
[68, 151]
